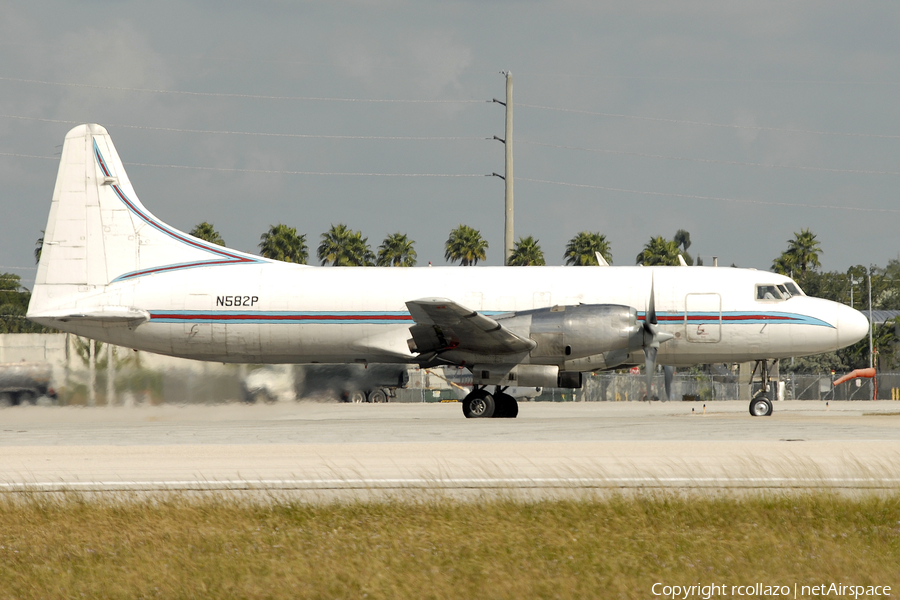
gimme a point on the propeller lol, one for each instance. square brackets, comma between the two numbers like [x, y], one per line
[653, 337]
[669, 373]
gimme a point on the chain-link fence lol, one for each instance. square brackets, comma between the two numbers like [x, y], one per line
[819, 387]
[617, 387]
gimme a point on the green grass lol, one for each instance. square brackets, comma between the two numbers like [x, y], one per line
[614, 547]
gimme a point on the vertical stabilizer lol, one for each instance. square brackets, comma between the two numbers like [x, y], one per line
[99, 233]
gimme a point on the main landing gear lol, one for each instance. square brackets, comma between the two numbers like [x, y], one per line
[481, 404]
[761, 404]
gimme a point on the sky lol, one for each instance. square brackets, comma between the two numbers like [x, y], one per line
[740, 122]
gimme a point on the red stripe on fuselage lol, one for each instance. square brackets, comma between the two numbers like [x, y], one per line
[253, 317]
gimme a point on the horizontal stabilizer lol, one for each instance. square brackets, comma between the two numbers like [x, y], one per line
[105, 316]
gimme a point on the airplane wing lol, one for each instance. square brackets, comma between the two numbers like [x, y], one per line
[442, 324]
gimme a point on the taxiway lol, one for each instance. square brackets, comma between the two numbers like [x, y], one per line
[323, 448]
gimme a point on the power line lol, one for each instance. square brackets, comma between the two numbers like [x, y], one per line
[708, 124]
[596, 150]
[361, 174]
[715, 198]
[28, 156]
[553, 74]
[259, 133]
[714, 161]
[268, 171]
[411, 101]
[710, 79]
[231, 95]
[332, 173]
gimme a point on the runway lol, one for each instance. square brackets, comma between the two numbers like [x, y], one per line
[334, 449]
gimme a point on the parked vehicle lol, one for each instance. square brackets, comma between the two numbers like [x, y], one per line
[25, 382]
[345, 382]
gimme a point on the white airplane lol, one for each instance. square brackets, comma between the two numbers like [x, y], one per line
[112, 271]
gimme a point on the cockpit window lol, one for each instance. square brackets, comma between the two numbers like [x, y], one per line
[784, 292]
[794, 289]
[768, 292]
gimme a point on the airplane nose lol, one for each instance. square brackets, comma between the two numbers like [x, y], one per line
[852, 326]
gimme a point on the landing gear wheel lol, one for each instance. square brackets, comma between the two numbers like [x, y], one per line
[760, 407]
[479, 405]
[506, 406]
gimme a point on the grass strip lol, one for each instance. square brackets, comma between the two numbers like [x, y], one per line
[611, 547]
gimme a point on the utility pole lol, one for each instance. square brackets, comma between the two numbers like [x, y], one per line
[871, 325]
[92, 373]
[508, 237]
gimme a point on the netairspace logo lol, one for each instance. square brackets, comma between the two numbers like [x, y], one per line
[762, 590]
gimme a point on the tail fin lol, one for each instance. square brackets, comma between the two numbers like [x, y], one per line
[99, 233]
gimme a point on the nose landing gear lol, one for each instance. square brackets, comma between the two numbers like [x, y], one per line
[761, 405]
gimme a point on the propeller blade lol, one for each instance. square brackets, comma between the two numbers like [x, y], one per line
[669, 373]
[650, 366]
[653, 337]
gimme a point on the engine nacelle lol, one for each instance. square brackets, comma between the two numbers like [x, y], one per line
[525, 376]
[567, 334]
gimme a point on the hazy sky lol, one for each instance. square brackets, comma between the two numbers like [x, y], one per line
[741, 122]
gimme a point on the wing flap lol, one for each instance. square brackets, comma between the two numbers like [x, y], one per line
[442, 324]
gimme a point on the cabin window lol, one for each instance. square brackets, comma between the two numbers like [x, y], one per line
[768, 291]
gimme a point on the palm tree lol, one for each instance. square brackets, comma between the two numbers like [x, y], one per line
[582, 249]
[465, 245]
[784, 265]
[659, 251]
[527, 252]
[205, 231]
[343, 247]
[282, 243]
[38, 247]
[396, 251]
[804, 250]
[334, 244]
[683, 239]
[359, 254]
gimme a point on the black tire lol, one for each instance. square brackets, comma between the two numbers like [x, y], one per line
[760, 406]
[27, 397]
[479, 405]
[262, 396]
[378, 396]
[505, 407]
[356, 396]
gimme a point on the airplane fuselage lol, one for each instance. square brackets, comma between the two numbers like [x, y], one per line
[283, 313]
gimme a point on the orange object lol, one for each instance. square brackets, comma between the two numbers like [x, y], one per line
[870, 372]
[854, 374]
